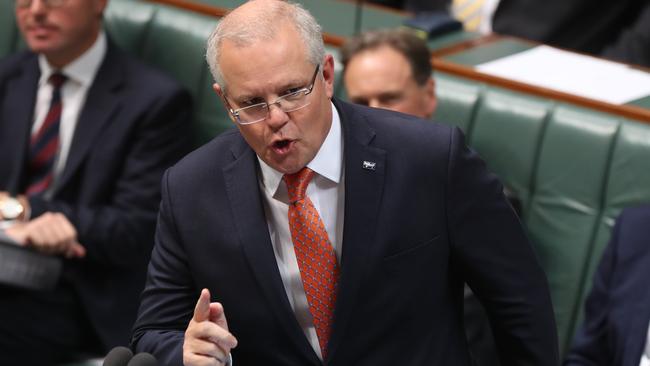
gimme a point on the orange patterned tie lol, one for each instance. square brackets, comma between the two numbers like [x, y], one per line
[319, 269]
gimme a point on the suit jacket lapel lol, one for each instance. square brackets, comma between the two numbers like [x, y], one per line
[363, 191]
[248, 213]
[18, 118]
[101, 104]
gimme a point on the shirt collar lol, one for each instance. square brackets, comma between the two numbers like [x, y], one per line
[83, 69]
[327, 163]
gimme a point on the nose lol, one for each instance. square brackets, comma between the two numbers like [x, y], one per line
[277, 117]
[37, 6]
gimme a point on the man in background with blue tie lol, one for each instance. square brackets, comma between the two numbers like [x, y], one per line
[85, 134]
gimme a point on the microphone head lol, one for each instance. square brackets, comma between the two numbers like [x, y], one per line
[143, 359]
[118, 356]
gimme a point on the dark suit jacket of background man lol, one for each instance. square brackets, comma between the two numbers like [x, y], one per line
[131, 128]
[424, 219]
[584, 25]
[618, 307]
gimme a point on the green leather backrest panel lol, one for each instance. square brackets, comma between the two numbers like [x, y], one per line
[128, 23]
[7, 28]
[174, 41]
[628, 185]
[567, 201]
[457, 101]
[517, 123]
[176, 44]
[10, 38]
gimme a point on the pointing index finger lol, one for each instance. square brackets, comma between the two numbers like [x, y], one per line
[202, 308]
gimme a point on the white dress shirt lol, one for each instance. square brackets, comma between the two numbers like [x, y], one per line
[326, 191]
[81, 73]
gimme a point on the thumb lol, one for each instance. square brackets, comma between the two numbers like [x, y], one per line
[202, 308]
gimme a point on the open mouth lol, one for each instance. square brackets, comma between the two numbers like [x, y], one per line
[282, 146]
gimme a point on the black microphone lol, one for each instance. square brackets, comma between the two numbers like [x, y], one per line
[143, 359]
[118, 356]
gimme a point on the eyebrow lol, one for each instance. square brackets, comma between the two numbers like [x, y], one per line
[287, 85]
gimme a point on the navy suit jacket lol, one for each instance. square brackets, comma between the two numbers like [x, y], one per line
[428, 217]
[133, 126]
[617, 311]
[584, 25]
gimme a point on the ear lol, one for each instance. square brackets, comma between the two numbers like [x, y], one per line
[431, 102]
[217, 89]
[328, 75]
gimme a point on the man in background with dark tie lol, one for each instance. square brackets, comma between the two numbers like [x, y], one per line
[85, 134]
[326, 233]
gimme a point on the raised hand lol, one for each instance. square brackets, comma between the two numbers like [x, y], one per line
[207, 339]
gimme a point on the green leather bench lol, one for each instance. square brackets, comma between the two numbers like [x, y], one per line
[573, 169]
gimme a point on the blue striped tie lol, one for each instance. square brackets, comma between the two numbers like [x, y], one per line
[44, 144]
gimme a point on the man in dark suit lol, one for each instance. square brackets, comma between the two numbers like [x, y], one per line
[415, 6]
[599, 27]
[617, 313]
[80, 165]
[330, 233]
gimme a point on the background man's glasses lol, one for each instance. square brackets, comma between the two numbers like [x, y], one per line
[47, 3]
[287, 103]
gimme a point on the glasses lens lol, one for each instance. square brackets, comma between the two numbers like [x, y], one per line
[294, 101]
[252, 114]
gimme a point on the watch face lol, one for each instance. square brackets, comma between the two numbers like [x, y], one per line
[10, 208]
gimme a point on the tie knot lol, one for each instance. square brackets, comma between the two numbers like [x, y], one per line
[57, 79]
[297, 183]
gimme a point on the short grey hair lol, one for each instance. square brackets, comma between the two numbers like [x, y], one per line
[263, 25]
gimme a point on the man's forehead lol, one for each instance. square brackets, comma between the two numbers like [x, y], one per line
[263, 65]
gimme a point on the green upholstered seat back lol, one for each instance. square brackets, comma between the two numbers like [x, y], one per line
[10, 39]
[574, 169]
[172, 40]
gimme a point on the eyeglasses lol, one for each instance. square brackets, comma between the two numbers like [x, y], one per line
[289, 102]
[46, 3]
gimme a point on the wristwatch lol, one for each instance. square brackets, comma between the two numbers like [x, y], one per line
[11, 208]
